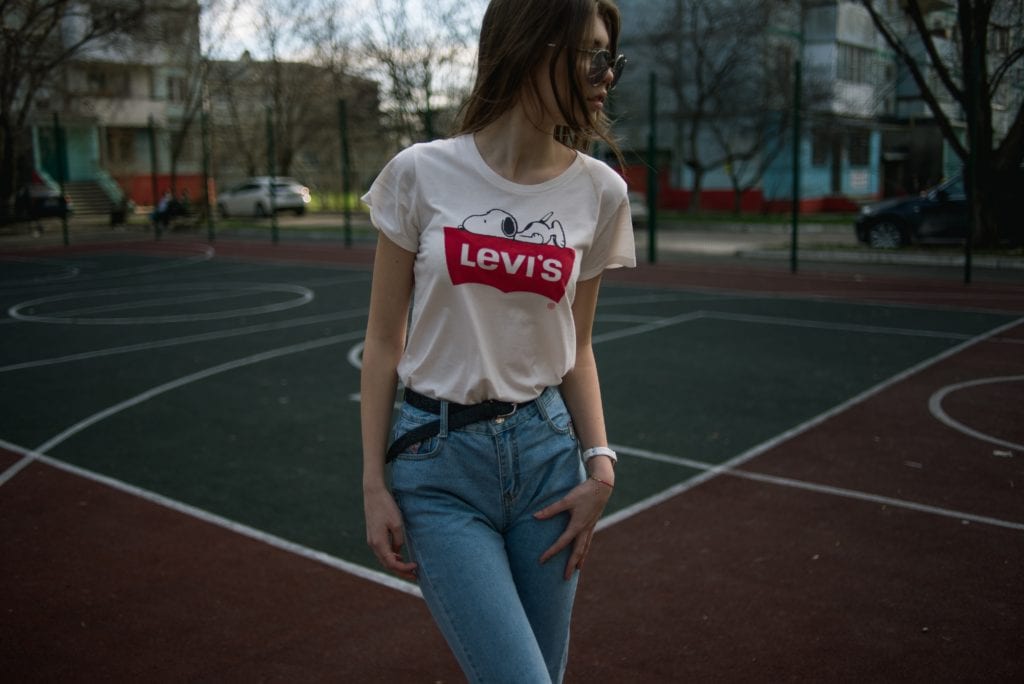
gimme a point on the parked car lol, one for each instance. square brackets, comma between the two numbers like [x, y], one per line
[252, 198]
[638, 208]
[937, 216]
[40, 199]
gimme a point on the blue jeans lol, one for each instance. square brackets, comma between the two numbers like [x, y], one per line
[468, 498]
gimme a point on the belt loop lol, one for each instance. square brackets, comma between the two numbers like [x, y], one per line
[443, 433]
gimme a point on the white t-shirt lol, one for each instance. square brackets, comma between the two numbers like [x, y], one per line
[496, 266]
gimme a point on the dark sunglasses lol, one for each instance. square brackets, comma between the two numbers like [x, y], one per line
[601, 61]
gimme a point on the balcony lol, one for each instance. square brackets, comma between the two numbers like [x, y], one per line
[129, 112]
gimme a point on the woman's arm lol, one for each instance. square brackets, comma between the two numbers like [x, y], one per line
[390, 295]
[582, 393]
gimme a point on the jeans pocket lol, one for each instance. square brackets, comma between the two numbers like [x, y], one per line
[411, 418]
[556, 414]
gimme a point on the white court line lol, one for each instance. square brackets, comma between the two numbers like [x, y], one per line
[174, 384]
[817, 488]
[156, 301]
[39, 453]
[303, 296]
[790, 322]
[193, 377]
[859, 299]
[186, 339]
[935, 407]
[646, 327]
[225, 523]
[826, 325]
[759, 449]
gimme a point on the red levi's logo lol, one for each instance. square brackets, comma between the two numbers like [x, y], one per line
[508, 265]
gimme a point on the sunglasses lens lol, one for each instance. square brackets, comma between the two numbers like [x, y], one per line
[617, 68]
[601, 63]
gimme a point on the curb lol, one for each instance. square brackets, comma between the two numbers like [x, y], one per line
[837, 256]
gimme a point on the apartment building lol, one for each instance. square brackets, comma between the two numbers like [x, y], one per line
[865, 131]
[124, 108]
[128, 110]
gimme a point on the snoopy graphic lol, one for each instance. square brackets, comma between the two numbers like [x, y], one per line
[500, 223]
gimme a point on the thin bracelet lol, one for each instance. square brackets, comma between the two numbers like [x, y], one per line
[609, 485]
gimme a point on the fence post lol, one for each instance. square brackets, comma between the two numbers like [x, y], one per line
[346, 169]
[270, 172]
[61, 154]
[205, 135]
[797, 90]
[151, 130]
[652, 173]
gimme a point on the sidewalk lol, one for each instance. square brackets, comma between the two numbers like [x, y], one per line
[817, 242]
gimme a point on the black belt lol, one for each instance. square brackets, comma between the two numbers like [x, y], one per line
[459, 416]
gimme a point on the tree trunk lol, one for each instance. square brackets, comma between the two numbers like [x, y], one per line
[698, 182]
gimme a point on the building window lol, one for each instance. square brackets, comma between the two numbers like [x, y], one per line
[860, 148]
[857, 64]
[107, 83]
[176, 89]
[121, 145]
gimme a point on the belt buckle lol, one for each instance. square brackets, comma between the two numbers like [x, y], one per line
[501, 417]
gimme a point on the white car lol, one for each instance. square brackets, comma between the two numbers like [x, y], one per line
[638, 208]
[252, 198]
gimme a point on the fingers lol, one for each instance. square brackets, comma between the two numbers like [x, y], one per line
[393, 561]
[389, 555]
[387, 547]
[385, 534]
[560, 543]
[580, 549]
[553, 510]
[584, 512]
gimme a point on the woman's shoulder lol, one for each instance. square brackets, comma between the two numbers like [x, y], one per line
[607, 179]
[405, 164]
[432, 150]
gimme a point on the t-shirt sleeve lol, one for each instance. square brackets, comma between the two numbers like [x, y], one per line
[391, 201]
[613, 245]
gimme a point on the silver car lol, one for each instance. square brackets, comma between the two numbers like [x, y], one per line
[252, 198]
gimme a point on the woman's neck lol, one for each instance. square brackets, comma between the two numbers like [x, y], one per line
[517, 149]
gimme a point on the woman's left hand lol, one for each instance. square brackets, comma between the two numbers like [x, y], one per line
[585, 503]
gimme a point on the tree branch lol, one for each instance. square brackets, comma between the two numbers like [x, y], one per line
[922, 83]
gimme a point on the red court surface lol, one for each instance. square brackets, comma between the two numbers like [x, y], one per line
[883, 545]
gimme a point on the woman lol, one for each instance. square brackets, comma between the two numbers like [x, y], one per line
[497, 238]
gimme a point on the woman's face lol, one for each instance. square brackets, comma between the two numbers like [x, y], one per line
[595, 95]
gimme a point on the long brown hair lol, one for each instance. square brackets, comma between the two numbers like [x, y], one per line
[515, 40]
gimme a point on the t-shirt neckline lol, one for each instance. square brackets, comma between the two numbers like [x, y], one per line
[495, 178]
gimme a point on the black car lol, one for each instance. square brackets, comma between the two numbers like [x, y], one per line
[937, 216]
[41, 199]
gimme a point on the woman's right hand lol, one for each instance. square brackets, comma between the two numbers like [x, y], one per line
[385, 532]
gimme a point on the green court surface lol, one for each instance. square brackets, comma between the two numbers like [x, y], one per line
[232, 386]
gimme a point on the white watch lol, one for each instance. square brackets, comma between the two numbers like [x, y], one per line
[599, 451]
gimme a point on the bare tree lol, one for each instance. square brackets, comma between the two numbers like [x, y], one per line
[200, 38]
[984, 69]
[756, 111]
[711, 56]
[39, 37]
[297, 95]
[420, 53]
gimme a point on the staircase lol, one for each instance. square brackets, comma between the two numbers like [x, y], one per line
[88, 198]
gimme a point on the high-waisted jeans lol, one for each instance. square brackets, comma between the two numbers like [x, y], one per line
[468, 498]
